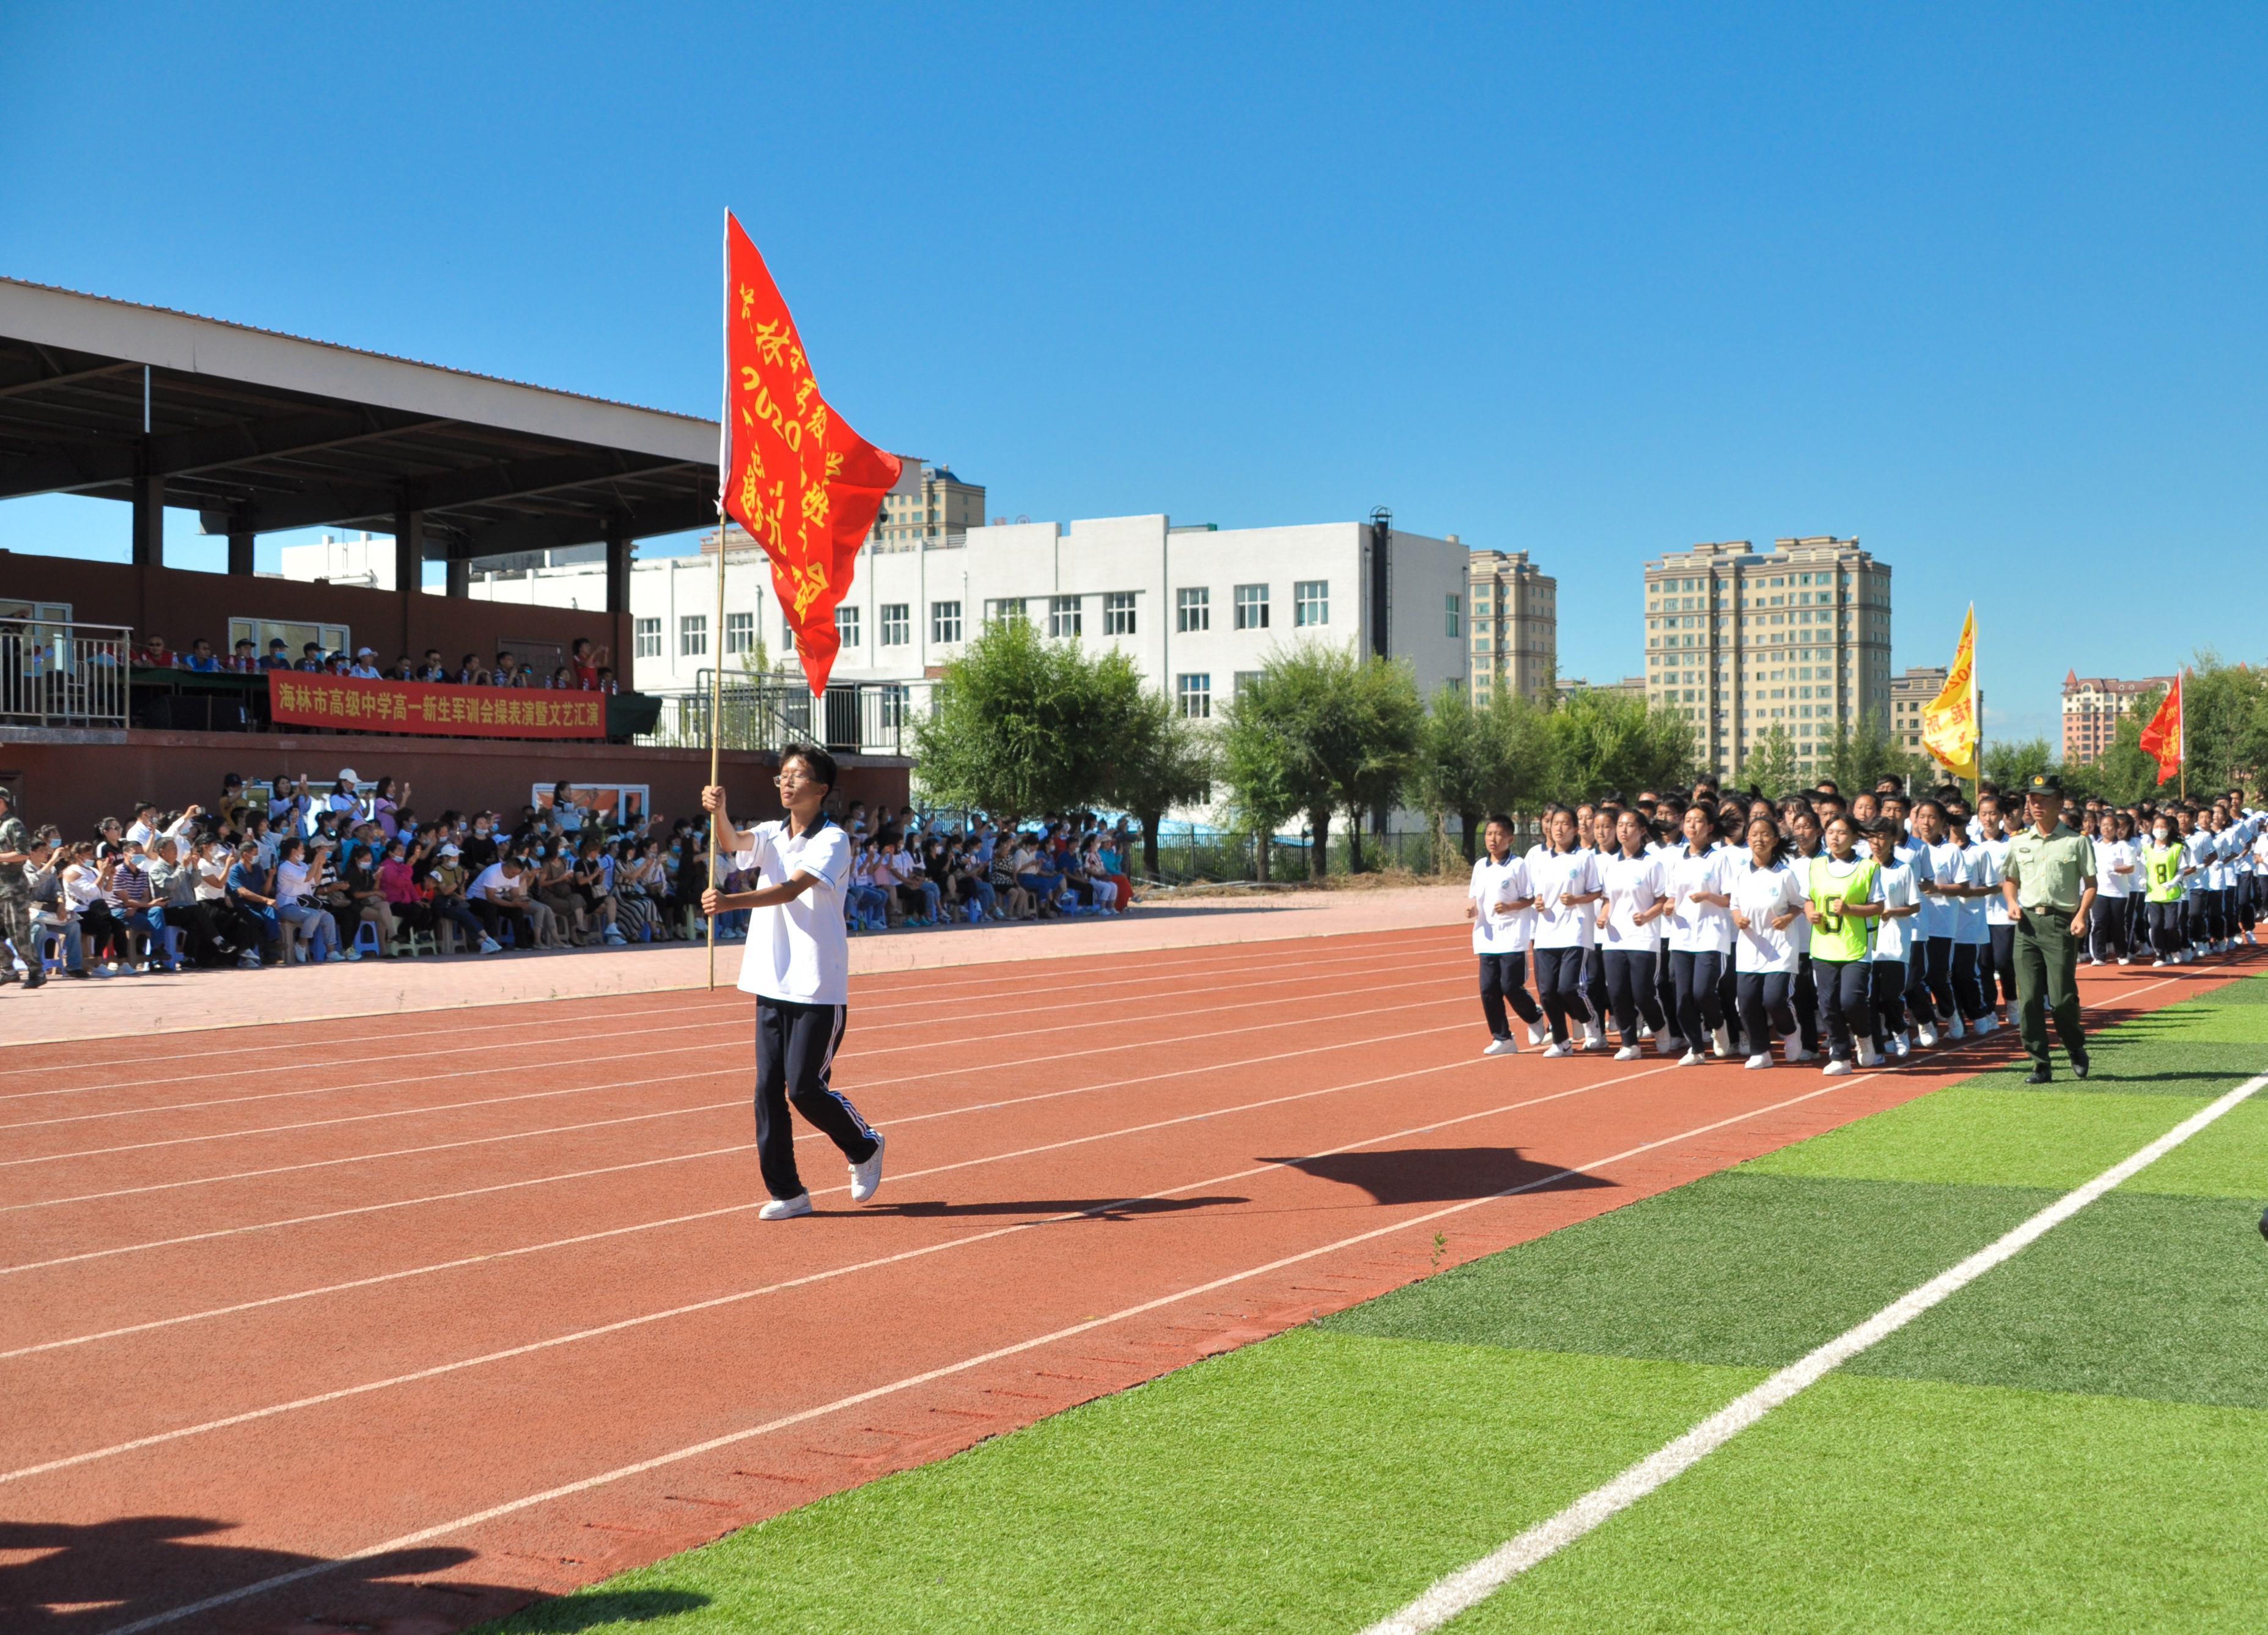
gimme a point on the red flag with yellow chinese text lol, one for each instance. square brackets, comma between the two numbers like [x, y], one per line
[2162, 739]
[795, 475]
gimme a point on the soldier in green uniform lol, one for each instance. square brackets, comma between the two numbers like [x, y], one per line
[16, 895]
[2050, 888]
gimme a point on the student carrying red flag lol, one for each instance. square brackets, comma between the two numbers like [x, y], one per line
[2162, 739]
[795, 475]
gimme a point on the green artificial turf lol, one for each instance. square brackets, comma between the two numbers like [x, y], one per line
[1741, 1269]
[2137, 1295]
[1985, 1136]
[1874, 1504]
[2199, 1047]
[2227, 1159]
[1312, 1482]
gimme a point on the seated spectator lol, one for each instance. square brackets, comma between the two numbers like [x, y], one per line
[586, 665]
[279, 656]
[506, 672]
[499, 898]
[245, 658]
[365, 899]
[866, 903]
[594, 878]
[446, 885]
[201, 658]
[383, 808]
[362, 668]
[299, 874]
[143, 829]
[1109, 851]
[155, 654]
[556, 889]
[471, 671]
[1035, 872]
[607, 684]
[42, 873]
[561, 680]
[918, 894]
[433, 669]
[311, 658]
[1016, 902]
[134, 904]
[250, 886]
[398, 884]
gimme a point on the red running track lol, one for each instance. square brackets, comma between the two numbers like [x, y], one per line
[401, 1326]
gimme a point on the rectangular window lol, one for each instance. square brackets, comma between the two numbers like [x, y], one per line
[1311, 602]
[1193, 608]
[1118, 613]
[896, 623]
[1452, 615]
[787, 632]
[893, 702]
[1251, 606]
[1062, 615]
[1195, 694]
[740, 632]
[846, 626]
[693, 635]
[647, 633]
[1244, 679]
[999, 609]
[944, 621]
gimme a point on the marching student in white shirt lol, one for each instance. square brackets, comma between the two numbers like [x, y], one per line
[1938, 872]
[1893, 930]
[1999, 982]
[1843, 892]
[1603, 846]
[1972, 938]
[1803, 831]
[797, 962]
[1565, 878]
[1767, 905]
[2116, 860]
[1637, 887]
[1502, 909]
[1700, 925]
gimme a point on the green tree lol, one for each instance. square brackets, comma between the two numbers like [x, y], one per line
[1167, 761]
[1320, 730]
[2013, 765]
[2123, 774]
[2225, 719]
[1471, 761]
[1602, 743]
[1021, 726]
[1771, 764]
[1861, 759]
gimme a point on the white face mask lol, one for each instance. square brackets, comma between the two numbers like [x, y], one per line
[2162, 835]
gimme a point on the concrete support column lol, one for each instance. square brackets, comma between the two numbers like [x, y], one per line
[461, 577]
[149, 541]
[240, 553]
[619, 545]
[409, 568]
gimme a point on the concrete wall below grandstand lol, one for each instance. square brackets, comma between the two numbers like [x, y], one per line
[74, 778]
[182, 604]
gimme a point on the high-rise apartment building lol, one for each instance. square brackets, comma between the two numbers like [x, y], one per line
[1515, 608]
[2094, 705]
[1910, 693]
[938, 505]
[1741, 640]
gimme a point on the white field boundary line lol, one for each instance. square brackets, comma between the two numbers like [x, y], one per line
[939, 976]
[1467, 1588]
[893, 1120]
[735, 1016]
[711, 1107]
[738, 1296]
[487, 1255]
[739, 1019]
[787, 1421]
[924, 1047]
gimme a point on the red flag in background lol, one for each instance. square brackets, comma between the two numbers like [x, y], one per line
[2162, 739]
[800, 481]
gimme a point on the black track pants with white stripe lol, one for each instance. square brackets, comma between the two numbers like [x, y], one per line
[795, 1056]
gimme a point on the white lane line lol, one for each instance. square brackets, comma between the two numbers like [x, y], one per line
[635, 1006]
[802, 1416]
[158, 1438]
[635, 1084]
[893, 1120]
[735, 1017]
[1468, 1588]
[487, 1255]
[868, 1053]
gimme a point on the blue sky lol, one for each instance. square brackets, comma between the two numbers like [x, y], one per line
[1980, 285]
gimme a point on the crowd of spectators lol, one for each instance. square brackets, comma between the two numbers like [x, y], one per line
[287, 873]
[583, 672]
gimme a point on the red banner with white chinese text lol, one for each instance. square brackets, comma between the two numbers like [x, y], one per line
[801, 481]
[344, 701]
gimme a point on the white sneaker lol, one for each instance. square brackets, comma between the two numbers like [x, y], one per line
[1720, 1043]
[1924, 1035]
[1502, 1047]
[1594, 1037]
[1868, 1056]
[2122, 959]
[2158, 964]
[1552, 1052]
[335, 958]
[1628, 1053]
[866, 1176]
[1792, 1046]
[1536, 1035]
[1956, 1029]
[1645, 1033]
[1761, 1059]
[785, 1209]
[1669, 1044]
[1836, 1068]
[490, 944]
[1901, 1046]
[1691, 1058]
[615, 936]
[1985, 1024]
[353, 956]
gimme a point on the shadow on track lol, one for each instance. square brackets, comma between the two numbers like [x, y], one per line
[1438, 1174]
[55, 1576]
[1102, 1209]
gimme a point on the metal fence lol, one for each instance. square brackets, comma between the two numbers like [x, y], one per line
[63, 674]
[855, 717]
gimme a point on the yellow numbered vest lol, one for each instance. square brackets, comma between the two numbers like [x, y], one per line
[1839, 938]
[2164, 866]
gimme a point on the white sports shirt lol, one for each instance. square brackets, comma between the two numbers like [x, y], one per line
[798, 951]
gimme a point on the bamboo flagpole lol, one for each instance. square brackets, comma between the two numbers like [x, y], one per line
[2181, 717]
[716, 707]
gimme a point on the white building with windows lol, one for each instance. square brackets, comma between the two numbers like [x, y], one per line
[1197, 608]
